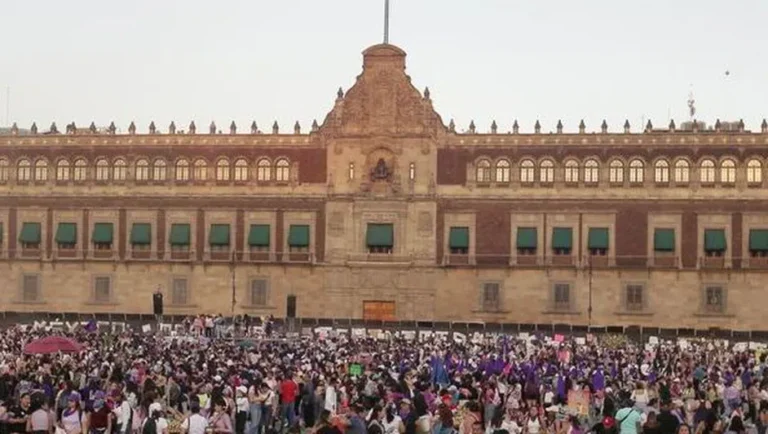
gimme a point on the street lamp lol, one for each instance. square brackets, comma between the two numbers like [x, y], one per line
[589, 309]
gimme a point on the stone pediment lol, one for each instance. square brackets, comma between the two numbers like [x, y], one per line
[383, 102]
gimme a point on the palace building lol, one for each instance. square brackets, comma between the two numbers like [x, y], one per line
[385, 212]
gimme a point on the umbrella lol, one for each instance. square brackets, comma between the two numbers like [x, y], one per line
[52, 344]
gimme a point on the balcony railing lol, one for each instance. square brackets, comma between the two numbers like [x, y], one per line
[659, 261]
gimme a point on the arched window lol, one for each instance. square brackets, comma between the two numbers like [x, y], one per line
[547, 172]
[102, 170]
[41, 171]
[201, 170]
[527, 172]
[754, 172]
[661, 172]
[62, 170]
[350, 170]
[502, 171]
[264, 170]
[571, 172]
[616, 172]
[636, 171]
[119, 170]
[591, 172]
[412, 171]
[241, 170]
[3, 170]
[142, 170]
[282, 171]
[682, 172]
[728, 172]
[182, 170]
[707, 172]
[483, 171]
[222, 170]
[81, 170]
[23, 171]
[159, 170]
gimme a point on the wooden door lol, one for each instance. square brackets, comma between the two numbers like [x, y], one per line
[379, 310]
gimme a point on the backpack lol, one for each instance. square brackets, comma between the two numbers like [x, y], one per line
[150, 426]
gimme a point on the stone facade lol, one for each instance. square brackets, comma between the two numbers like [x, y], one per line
[557, 228]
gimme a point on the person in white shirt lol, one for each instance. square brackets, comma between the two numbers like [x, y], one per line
[242, 405]
[195, 424]
[331, 399]
[160, 421]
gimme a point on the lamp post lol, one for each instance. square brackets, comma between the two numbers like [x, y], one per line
[234, 292]
[589, 309]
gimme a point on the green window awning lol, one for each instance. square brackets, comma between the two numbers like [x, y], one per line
[664, 240]
[30, 233]
[597, 238]
[102, 233]
[141, 234]
[298, 236]
[66, 233]
[458, 238]
[527, 238]
[758, 240]
[258, 236]
[180, 234]
[219, 235]
[562, 238]
[714, 240]
[379, 235]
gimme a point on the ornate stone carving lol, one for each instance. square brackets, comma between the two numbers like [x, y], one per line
[381, 172]
[383, 100]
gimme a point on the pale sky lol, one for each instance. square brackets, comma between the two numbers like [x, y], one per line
[266, 60]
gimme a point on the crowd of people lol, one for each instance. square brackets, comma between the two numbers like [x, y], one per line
[140, 383]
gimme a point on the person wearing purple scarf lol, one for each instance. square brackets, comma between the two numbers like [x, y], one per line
[561, 392]
[598, 379]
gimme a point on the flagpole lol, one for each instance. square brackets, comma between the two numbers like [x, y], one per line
[386, 21]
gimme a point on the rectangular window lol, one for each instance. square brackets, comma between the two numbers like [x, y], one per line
[259, 238]
[714, 242]
[141, 236]
[102, 289]
[714, 299]
[664, 240]
[298, 238]
[180, 294]
[30, 290]
[30, 236]
[380, 238]
[180, 237]
[758, 243]
[562, 296]
[102, 236]
[634, 297]
[491, 297]
[258, 292]
[597, 241]
[562, 241]
[66, 236]
[458, 240]
[527, 240]
[218, 237]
